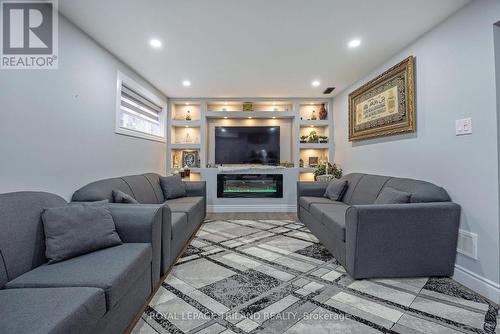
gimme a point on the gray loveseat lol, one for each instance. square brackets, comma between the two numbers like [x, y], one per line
[181, 216]
[418, 238]
[98, 292]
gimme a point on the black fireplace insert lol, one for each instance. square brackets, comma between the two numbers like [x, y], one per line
[250, 185]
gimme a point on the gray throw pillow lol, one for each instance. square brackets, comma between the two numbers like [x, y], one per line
[336, 189]
[390, 195]
[121, 197]
[77, 229]
[172, 186]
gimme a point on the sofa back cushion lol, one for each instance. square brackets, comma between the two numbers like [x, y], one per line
[101, 190]
[352, 181]
[154, 180]
[143, 188]
[421, 191]
[365, 188]
[22, 241]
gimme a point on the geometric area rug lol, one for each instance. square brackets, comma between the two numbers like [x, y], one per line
[273, 276]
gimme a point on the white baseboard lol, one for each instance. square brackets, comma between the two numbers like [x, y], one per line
[252, 208]
[477, 283]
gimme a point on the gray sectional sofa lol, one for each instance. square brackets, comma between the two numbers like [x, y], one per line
[98, 292]
[413, 239]
[181, 216]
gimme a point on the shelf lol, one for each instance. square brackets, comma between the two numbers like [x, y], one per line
[304, 123]
[184, 123]
[252, 114]
[314, 146]
[186, 146]
[307, 169]
[192, 169]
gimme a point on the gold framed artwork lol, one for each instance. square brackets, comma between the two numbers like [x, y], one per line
[384, 106]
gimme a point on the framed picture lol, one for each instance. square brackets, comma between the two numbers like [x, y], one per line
[190, 158]
[313, 161]
[247, 106]
[384, 106]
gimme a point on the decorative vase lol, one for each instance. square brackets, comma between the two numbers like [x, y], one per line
[323, 114]
[188, 115]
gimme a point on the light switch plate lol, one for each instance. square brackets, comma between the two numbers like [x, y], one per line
[463, 126]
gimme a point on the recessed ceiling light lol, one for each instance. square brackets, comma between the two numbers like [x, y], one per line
[249, 117]
[187, 126]
[316, 83]
[274, 117]
[187, 103]
[225, 117]
[186, 83]
[354, 43]
[156, 43]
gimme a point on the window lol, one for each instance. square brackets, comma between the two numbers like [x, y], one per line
[139, 112]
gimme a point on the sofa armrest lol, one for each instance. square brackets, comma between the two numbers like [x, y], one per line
[196, 188]
[138, 223]
[315, 189]
[398, 240]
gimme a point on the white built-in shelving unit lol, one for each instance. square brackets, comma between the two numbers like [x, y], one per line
[193, 135]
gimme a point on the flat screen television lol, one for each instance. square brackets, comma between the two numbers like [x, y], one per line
[247, 145]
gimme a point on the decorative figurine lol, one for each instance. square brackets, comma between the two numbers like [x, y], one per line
[313, 115]
[188, 115]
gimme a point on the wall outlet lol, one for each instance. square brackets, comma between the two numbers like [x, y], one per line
[467, 244]
[463, 126]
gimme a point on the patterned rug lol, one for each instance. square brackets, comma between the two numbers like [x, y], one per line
[273, 276]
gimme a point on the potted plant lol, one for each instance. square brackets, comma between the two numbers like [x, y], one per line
[313, 137]
[333, 169]
[323, 139]
[303, 139]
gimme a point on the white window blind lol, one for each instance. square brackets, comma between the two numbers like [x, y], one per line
[138, 115]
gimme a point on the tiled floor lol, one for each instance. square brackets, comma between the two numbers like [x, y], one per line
[272, 276]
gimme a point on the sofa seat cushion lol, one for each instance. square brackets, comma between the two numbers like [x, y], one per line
[332, 216]
[114, 270]
[192, 206]
[51, 310]
[306, 201]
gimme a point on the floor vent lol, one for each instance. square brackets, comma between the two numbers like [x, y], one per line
[467, 244]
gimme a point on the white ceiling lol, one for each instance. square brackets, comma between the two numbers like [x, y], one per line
[255, 48]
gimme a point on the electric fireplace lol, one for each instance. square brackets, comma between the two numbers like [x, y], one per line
[250, 185]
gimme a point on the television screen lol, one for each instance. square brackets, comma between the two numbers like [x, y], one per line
[247, 145]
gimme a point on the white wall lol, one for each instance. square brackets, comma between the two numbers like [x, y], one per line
[57, 127]
[497, 66]
[455, 78]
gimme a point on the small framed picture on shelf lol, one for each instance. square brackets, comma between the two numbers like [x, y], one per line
[247, 106]
[190, 158]
[313, 161]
